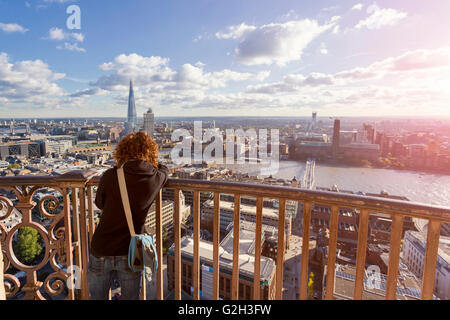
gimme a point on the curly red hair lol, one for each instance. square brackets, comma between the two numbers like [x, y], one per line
[136, 146]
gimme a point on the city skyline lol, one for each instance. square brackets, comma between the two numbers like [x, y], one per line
[287, 150]
[341, 59]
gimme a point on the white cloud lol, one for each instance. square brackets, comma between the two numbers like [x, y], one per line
[419, 59]
[197, 38]
[275, 43]
[71, 47]
[330, 9]
[293, 83]
[12, 27]
[27, 81]
[376, 86]
[58, 34]
[191, 77]
[380, 17]
[42, 4]
[290, 15]
[58, 1]
[143, 70]
[156, 82]
[78, 37]
[357, 6]
[220, 79]
[263, 75]
[203, 36]
[409, 62]
[323, 48]
[200, 64]
[191, 87]
[336, 29]
[235, 32]
[88, 92]
[155, 73]
[372, 8]
[415, 60]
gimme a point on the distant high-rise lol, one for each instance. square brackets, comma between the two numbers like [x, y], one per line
[336, 136]
[312, 125]
[131, 123]
[149, 122]
[369, 133]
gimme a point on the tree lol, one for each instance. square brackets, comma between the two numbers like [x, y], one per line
[28, 245]
[311, 286]
[387, 162]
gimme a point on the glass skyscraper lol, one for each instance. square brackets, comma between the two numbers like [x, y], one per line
[131, 123]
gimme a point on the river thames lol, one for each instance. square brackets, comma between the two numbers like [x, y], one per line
[417, 186]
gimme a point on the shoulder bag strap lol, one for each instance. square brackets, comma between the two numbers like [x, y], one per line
[125, 200]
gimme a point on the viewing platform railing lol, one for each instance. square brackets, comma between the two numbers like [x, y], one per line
[69, 227]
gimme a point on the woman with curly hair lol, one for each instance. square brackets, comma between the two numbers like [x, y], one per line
[138, 154]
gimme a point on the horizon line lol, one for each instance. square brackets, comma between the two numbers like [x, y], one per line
[262, 117]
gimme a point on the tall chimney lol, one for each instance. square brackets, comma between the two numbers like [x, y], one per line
[335, 145]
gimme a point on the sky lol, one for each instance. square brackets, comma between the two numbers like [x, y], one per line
[224, 58]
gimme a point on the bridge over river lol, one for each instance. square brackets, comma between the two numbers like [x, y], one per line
[308, 177]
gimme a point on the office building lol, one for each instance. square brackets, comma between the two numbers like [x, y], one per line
[369, 133]
[25, 149]
[167, 217]
[56, 146]
[149, 122]
[414, 257]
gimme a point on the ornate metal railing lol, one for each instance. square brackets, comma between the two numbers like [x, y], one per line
[68, 215]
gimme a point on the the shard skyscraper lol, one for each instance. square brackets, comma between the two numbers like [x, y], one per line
[131, 123]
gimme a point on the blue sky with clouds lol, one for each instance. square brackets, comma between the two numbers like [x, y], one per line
[206, 57]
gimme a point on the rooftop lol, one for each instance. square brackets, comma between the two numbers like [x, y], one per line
[315, 144]
[361, 146]
[268, 230]
[374, 288]
[246, 261]
[13, 143]
[245, 208]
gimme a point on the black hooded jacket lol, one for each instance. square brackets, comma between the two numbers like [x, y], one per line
[143, 180]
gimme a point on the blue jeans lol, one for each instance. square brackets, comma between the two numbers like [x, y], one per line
[101, 272]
